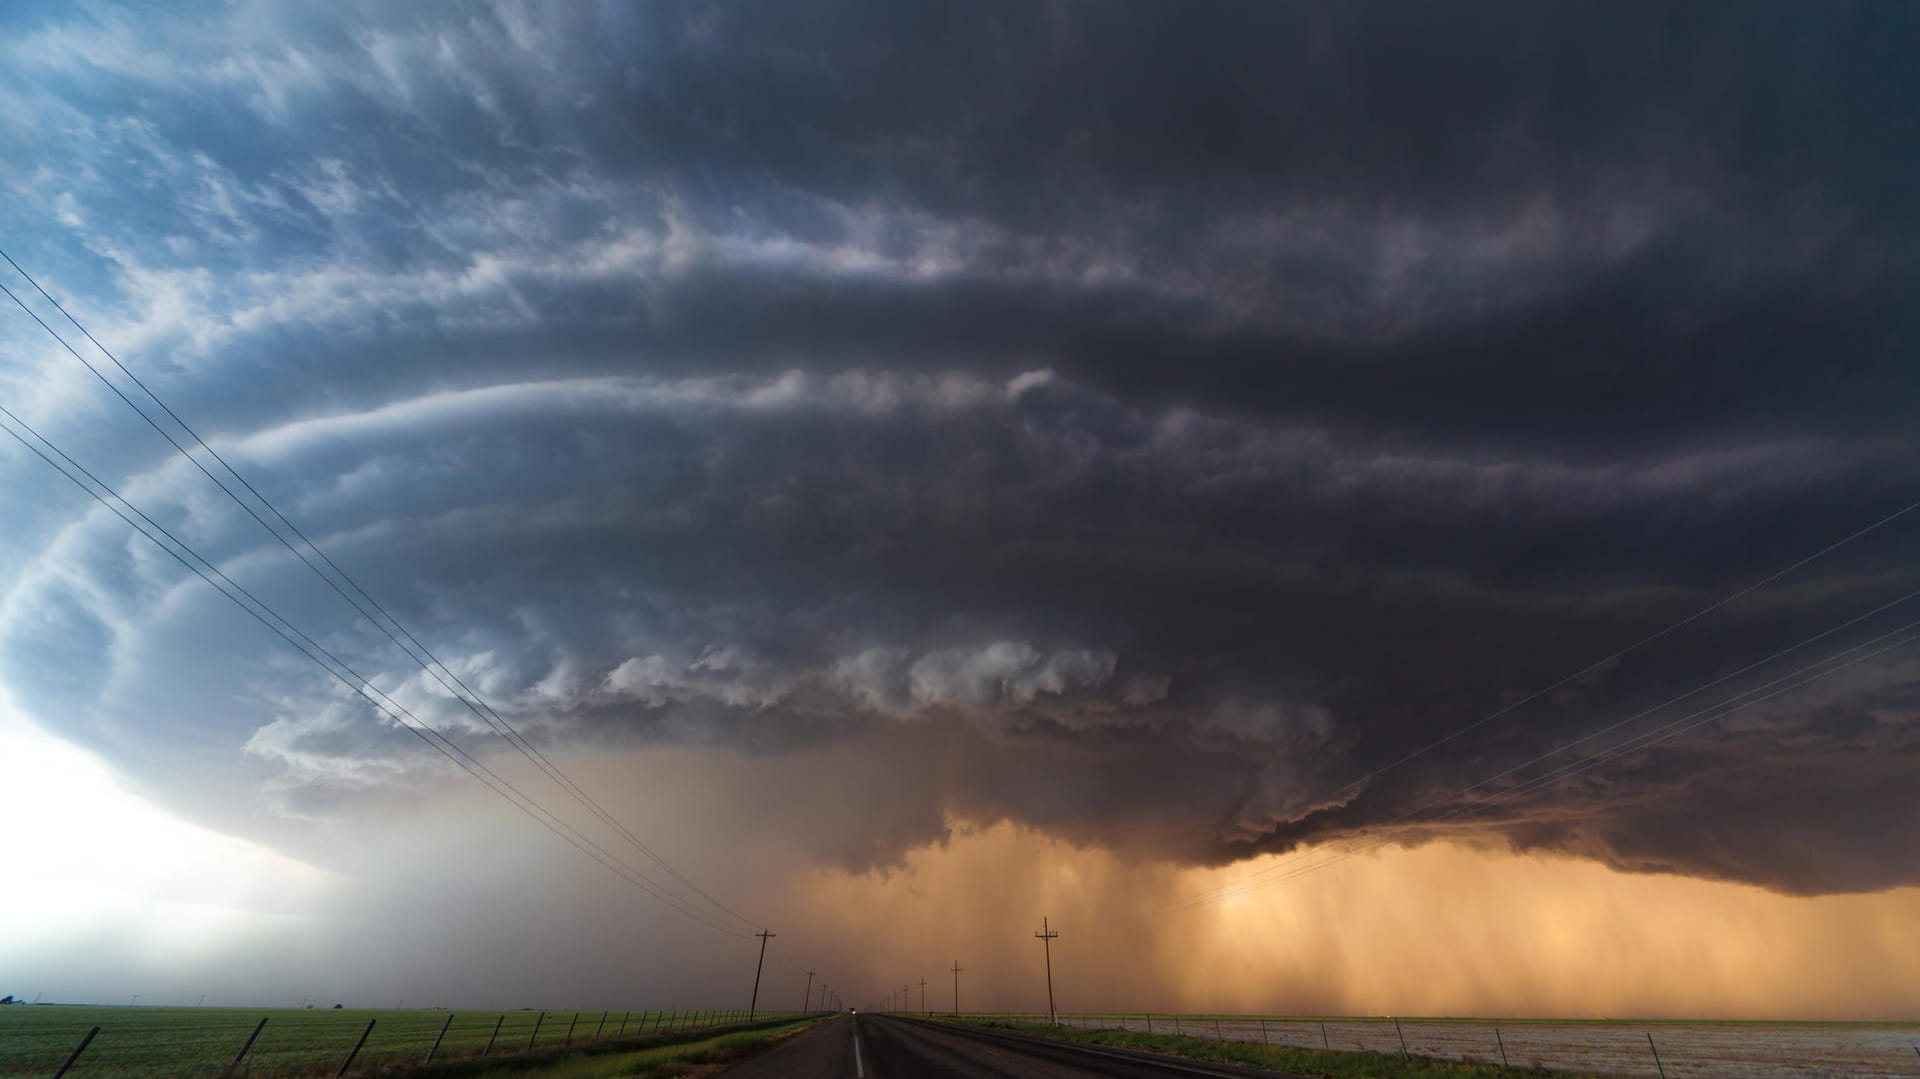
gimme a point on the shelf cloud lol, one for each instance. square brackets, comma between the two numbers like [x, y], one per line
[1173, 436]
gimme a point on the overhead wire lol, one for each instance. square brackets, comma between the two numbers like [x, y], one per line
[1601, 663]
[296, 638]
[1618, 655]
[430, 664]
[1704, 716]
[1284, 872]
[472, 700]
[1685, 723]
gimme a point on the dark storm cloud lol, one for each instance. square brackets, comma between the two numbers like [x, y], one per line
[1139, 424]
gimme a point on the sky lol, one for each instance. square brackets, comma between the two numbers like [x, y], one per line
[1387, 508]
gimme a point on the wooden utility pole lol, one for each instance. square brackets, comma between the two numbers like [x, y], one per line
[923, 996]
[1047, 937]
[754, 1006]
[956, 987]
[807, 1005]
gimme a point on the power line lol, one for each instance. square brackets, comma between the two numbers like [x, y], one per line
[1279, 873]
[1692, 720]
[466, 695]
[1622, 653]
[1686, 723]
[299, 640]
[1258, 878]
[306, 644]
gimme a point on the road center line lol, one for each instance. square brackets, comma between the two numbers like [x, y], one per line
[859, 1069]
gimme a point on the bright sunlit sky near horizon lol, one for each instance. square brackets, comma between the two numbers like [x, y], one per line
[926, 467]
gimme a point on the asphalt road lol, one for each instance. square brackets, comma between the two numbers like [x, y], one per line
[888, 1047]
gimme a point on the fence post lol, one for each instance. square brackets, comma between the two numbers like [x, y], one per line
[623, 1023]
[536, 1031]
[1503, 1048]
[348, 1063]
[244, 1046]
[1263, 1033]
[1404, 1055]
[1324, 1040]
[1176, 1025]
[1149, 1024]
[436, 1040]
[601, 1027]
[495, 1034]
[1662, 1068]
[570, 1026]
[77, 1050]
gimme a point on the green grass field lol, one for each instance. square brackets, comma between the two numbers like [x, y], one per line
[191, 1042]
[615, 1060]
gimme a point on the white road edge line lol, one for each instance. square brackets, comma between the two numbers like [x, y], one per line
[859, 1069]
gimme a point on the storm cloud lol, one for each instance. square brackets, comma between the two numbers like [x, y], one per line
[1135, 426]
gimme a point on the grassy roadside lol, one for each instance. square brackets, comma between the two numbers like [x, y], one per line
[1313, 1062]
[298, 1043]
[672, 1055]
